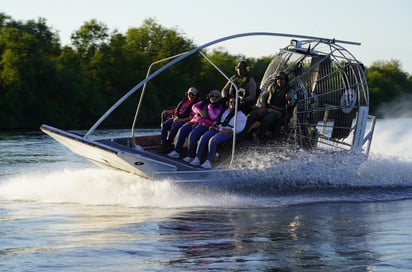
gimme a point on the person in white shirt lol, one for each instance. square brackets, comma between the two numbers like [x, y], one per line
[219, 132]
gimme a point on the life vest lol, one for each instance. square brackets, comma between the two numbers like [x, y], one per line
[276, 97]
[186, 111]
[227, 119]
[241, 83]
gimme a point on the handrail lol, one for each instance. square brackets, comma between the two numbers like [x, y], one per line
[216, 67]
[191, 52]
[144, 89]
[369, 135]
[236, 104]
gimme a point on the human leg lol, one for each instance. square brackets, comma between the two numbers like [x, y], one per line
[269, 123]
[204, 140]
[194, 136]
[182, 134]
[270, 120]
[166, 126]
[252, 117]
[214, 141]
[173, 131]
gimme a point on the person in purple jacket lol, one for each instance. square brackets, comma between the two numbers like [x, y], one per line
[222, 130]
[206, 112]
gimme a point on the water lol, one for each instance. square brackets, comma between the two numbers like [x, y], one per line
[60, 213]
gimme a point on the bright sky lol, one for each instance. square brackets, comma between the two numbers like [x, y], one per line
[382, 26]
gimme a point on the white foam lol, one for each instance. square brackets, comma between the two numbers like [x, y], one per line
[393, 137]
[388, 164]
[104, 187]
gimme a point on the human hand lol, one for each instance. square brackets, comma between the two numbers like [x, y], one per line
[226, 131]
[262, 111]
[202, 113]
[242, 92]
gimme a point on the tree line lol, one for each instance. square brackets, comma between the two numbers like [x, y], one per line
[70, 86]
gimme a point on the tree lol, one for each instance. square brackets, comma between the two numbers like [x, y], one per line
[71, 87]
[26, 70]
[388, 85]
[156, 43]
[90, 37]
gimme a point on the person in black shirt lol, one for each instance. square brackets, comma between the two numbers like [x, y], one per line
[246, 86]
[273, 108]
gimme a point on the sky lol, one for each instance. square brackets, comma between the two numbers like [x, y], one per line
[381, 26]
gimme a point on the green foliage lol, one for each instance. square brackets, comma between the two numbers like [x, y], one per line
[90, 37]
[72, 86]
[26, 69]
[388, 86]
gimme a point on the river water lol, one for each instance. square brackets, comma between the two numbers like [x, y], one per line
[61, 213]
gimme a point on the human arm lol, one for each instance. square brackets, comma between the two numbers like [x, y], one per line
[196, 108]
[240, 124]
[290, 97]
[225, 93]
[250, 91]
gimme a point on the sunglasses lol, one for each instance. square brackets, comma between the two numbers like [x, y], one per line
[215, 96]
[191, 94]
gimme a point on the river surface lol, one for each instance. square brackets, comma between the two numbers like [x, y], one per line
[59, 212]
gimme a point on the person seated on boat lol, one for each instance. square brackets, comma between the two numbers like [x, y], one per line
[206, 112]
[245, 84]
[268, 115]
[180, 115]
[220, 131]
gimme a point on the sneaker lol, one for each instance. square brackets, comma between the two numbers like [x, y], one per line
[174, 154]
[206, 165]
[164, 148]
[195, 162]
[188, 159]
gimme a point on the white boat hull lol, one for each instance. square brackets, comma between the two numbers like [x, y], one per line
[138, 162]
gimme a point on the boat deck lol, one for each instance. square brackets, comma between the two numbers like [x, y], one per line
[151, 152]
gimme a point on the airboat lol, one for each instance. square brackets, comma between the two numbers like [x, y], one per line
[331, 114]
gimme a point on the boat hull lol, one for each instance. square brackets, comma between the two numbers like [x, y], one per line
[108, 153]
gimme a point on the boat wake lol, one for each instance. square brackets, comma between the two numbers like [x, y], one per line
[385, 175]
[310, 179]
